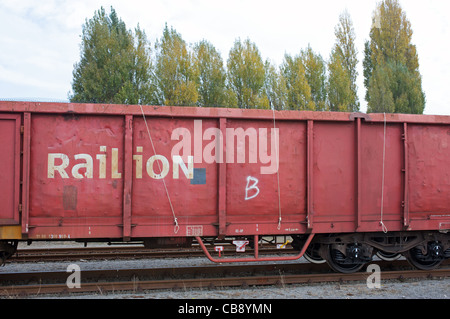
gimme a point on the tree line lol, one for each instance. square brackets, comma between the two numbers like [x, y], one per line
[119, 65]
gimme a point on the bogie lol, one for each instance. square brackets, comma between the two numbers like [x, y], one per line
[348, 253]
[427, 256]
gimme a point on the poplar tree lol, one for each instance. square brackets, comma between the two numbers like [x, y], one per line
[275, 87]
[246, 76]
[115, 63]
[315, 72]
[346, 49]
[391, 56]
[342, 68]
[340, 94]
[211, 75]
[297, 87]
[174, 71]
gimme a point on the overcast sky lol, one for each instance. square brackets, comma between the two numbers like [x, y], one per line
[40, 40]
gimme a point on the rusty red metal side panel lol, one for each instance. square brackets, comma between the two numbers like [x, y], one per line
[76, 176]
[335, 175]
[9, 168]
[162, 191]
[429, 175]
[371, 171]
[253, 205]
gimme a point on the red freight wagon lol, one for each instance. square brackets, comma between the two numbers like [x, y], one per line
[343, 186]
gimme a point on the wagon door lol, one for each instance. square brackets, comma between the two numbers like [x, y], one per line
[9, 168]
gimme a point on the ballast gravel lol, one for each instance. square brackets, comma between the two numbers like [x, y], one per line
[389, 289]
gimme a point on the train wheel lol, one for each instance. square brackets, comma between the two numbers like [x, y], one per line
[336, 260]
[388, 256]
[312, 254]
[431, 260]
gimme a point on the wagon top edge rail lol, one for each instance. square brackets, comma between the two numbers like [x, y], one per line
[216, 112]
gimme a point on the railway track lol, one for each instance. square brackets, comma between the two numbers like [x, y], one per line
[15, 284]
[131, 252]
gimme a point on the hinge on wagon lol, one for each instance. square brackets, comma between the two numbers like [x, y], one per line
[22, 129]
[20, 208]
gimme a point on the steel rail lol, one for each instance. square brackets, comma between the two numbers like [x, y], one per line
[206, 277]
[58, 254]
[139, 286]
